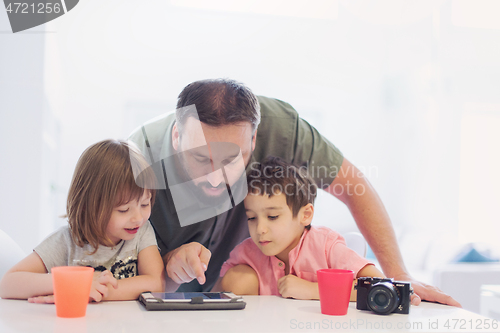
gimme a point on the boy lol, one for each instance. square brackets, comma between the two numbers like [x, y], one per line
[284, 252]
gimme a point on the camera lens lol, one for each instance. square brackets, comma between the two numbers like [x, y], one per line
[383, 298]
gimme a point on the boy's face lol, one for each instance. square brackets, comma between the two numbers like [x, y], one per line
[272, 226]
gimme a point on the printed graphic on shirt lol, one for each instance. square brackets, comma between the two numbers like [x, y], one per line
[121, 268]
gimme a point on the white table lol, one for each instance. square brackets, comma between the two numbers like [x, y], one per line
[262, 314]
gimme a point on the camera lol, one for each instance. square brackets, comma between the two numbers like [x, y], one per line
[383, 296]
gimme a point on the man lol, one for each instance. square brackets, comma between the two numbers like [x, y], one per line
[219, 128]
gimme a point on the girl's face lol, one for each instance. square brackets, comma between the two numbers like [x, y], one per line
[126, 219]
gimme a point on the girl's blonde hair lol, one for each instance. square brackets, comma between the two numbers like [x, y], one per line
[109, 174]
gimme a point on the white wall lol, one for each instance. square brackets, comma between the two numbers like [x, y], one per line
[22, 107]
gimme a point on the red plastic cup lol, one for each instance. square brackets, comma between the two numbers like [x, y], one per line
[72, 290]
[335, 287]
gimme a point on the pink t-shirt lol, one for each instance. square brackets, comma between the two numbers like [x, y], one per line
[318, 248]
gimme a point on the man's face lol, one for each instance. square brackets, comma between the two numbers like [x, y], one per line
[214, 156]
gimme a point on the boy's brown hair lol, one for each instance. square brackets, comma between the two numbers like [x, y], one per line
[274, 176]
[109, 174]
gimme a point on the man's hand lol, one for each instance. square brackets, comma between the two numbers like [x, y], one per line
[99, 289]
[188, 262]
[291, 286]
[427, 292]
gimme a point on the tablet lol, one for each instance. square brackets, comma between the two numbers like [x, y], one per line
[191, 301]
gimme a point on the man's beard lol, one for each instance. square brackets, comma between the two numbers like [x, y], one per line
[207, 199]
[233, 194]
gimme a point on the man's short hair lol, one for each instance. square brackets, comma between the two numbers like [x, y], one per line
[218, 102]
[274, 176]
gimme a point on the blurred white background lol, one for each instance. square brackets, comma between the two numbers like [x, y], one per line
[408, 90]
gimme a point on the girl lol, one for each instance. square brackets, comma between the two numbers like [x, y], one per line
[108, 207]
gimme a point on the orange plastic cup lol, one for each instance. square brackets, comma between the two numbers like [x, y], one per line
[335, 287]
[71, 290]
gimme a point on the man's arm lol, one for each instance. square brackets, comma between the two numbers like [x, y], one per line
[355, 191]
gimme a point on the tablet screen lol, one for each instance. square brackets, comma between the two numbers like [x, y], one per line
[186, 297]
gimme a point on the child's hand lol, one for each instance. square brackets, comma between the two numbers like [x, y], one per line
[290, 286]
[42, 299]
[99, 289]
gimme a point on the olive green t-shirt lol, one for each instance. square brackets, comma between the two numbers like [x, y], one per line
[281, 133]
